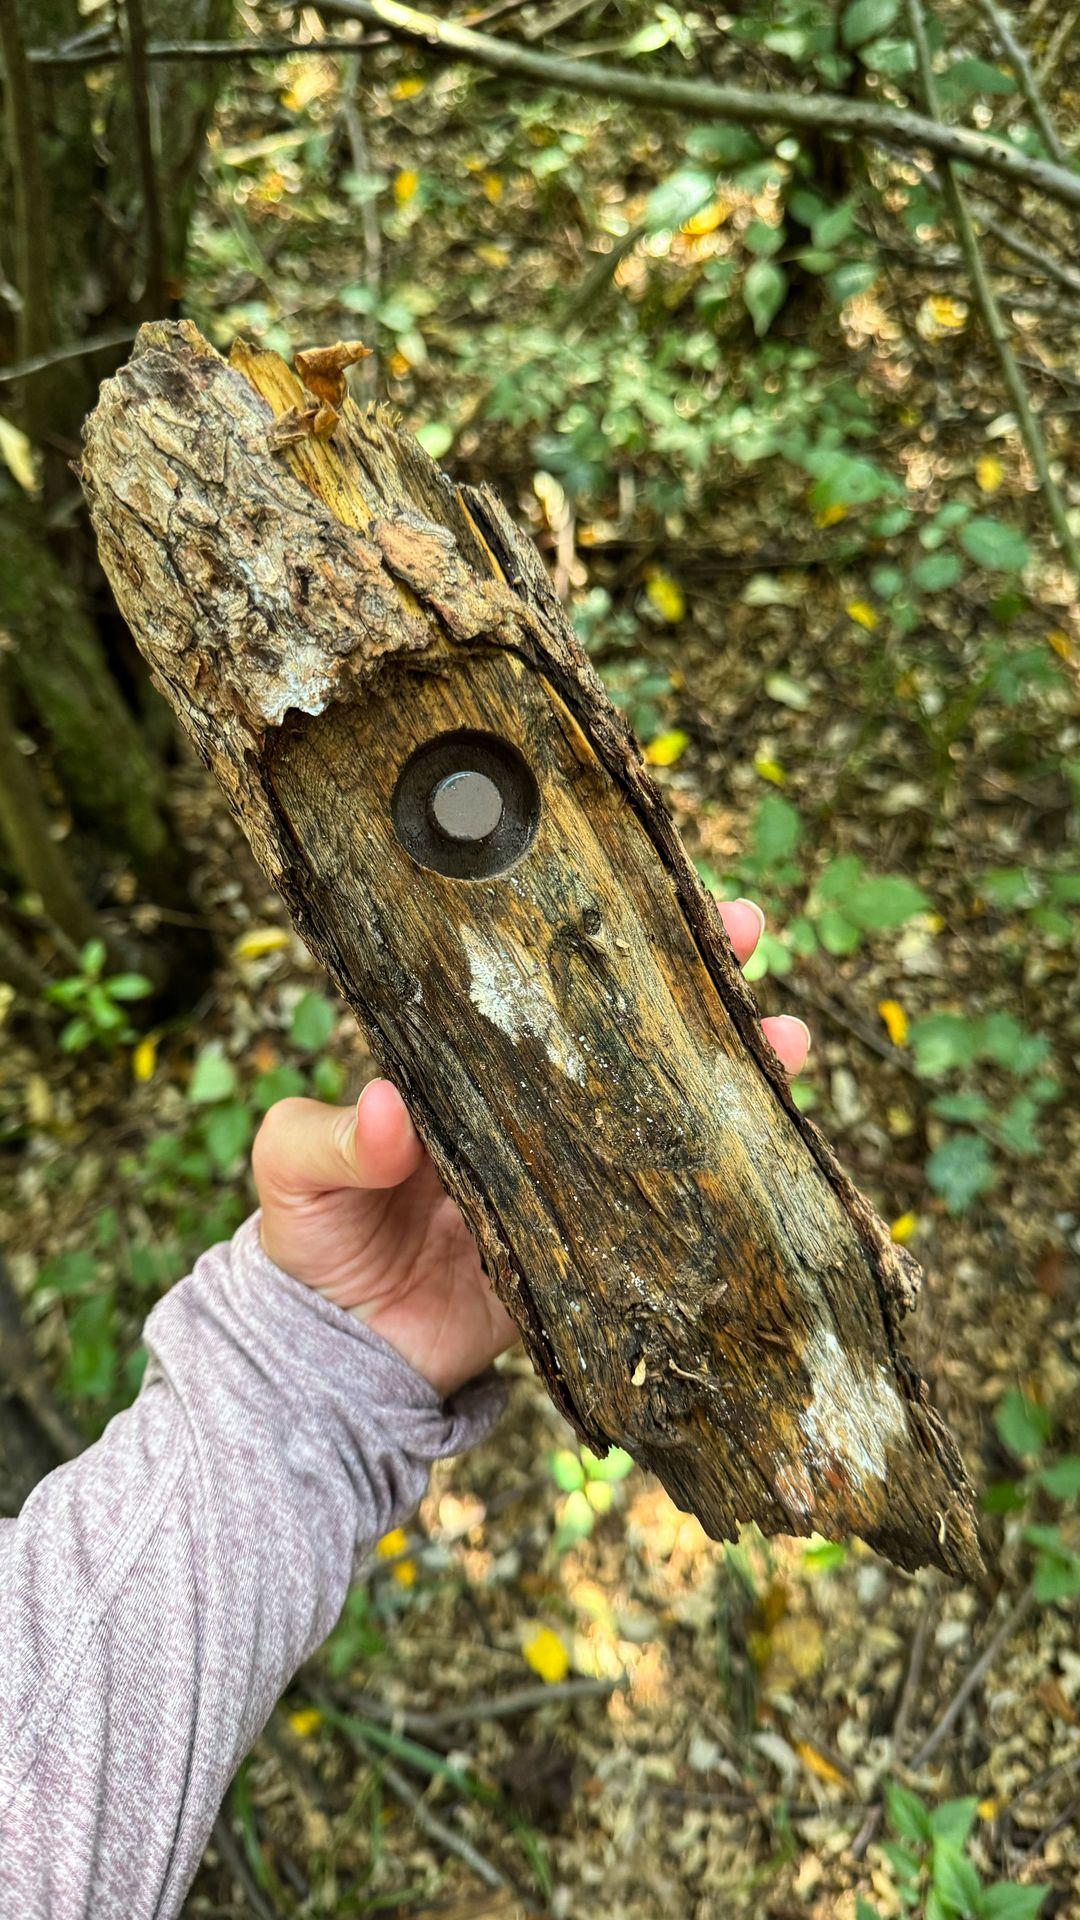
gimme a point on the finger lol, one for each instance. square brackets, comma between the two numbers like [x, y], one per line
[789, 1039]
[745, 924]
[304, 1147]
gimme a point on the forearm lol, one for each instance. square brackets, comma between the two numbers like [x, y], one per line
[157, 1594]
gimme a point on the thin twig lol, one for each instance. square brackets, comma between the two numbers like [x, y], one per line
[1026, 80]
[502, 1706]
[73, 350]
[1058, 41]
[990, 312]
[909, 1692]
[371, 227]
[29, 205]
[972, 1680]
[62, 59]
[436, 1829]
[830, 112]
[238, 1867]
[139, 82]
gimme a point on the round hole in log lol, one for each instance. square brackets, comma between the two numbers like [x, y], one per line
[466, 804]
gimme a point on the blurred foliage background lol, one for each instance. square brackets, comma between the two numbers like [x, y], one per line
[791, 416]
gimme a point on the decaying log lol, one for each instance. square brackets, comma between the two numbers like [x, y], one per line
[376, 668]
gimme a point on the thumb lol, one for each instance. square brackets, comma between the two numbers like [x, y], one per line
[305, 1148]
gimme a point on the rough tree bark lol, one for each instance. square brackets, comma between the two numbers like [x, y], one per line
[694, 1275]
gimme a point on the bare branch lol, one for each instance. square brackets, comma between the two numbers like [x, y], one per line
[862, 119]
[139, 81]
[990, 312]
[1026, 80]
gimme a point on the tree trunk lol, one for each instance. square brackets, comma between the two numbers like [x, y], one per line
[375, 666]
[37, 859]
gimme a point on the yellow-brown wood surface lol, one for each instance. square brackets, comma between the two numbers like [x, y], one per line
[693, 1274]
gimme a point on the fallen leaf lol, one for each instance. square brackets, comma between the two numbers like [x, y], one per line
[904, 1229]
[305, 1721]
[322, 369]
[405, 186]
[819, 1764]
[408, 88]
[989, 473]
[144, 1058]
[493, 187]
[829, 516]
[668, 598]
[666, 748]
[896, 1021]
[862, 613]
[17, 452]
[259, 941]
[771, 770]
[547, 1656]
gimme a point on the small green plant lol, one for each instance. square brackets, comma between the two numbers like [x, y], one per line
[588, 1485]
[935, 1875]
[967, 1049]
[1053, 1478]
[96, 1002]
[844, 905]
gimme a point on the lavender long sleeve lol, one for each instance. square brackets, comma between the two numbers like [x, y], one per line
[157, 1594]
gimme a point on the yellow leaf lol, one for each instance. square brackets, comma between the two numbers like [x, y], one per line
[904, 1229]
[771, 770]
[305, 1721]
[144, 1058]
[392, 1544]
[259, 941]
[863, 613]
[399, 366]
[1061, 643]
[829, 516]
[940, 315]
[666, 595]
[405, 186]
[493, 187]
[547, 1656]
[896, 1021]
[408, 88]
[819, 1764]
[18, 455]
[989, 473]
[989, 1809]
[405, 1573]
[666, 748]
[709, 218]
[492, 256]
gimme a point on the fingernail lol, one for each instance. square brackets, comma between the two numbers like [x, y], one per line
[755, 909]
[795, 1021]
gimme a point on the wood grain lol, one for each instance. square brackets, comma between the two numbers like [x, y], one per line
[694, 1275]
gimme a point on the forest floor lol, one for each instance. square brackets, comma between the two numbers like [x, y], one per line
[741, 1707]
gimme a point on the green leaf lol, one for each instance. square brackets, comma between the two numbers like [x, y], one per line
[762, 240]
[964, 1109]
[1022, 1426]
[995, 546]
[1018, 1129]
[614, 1466]
[825, 1556]
[764, 287]
[963, 79]
[943, 1041]
[851, 279]
[213, 1077]
[864, 1911]
[838, 934]
[904, 1863]
[567, 1470]
[777, 830]
[961, 1169]
[884, 901]
[907, 1815]
[227, 1132]
[953, 1820]
[722, 145]
[1006, 1901]
[128, 986]
[92, 958]
[865, 19]
[955, 1880]
[436, 437]
[834, 224]
[936, 572]
[1062, 1479]
[313, 1022]
[69, 1274]
[91, 1369]
[678, 198]
[328, 1079]
[1056, 1577]
[894, 58]
[277, 1083]
[1007, 887]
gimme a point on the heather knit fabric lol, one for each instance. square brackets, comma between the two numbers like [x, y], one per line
[157, 1594]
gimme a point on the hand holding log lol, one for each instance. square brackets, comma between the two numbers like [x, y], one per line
[428, 770]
